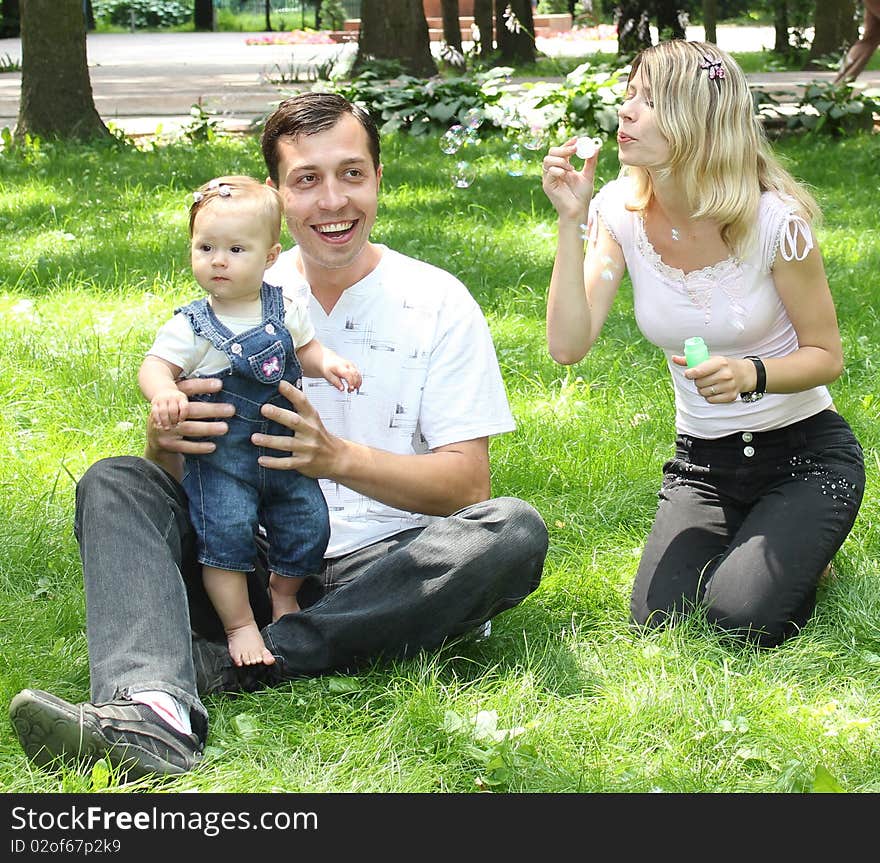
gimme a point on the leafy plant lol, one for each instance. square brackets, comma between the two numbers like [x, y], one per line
[332, 15]
[202, 127]
[502, 757]
[29, 150]
[7, 64]
[415, 105]
[587, 100]
[832, 109]
[551, 7]
[144, 14]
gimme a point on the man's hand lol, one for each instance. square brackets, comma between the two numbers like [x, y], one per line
[435, 483]
[165, 446]
[311, 450]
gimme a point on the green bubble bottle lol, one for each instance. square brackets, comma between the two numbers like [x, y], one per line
[695, 351]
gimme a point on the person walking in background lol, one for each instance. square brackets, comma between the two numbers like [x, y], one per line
[861, 51]
[767, 478]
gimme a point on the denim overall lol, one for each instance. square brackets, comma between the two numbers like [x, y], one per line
[229, 493]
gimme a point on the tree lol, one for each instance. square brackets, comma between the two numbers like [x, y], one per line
[9, 26]
[56, 93]
[633, 19]
[515, 31]
[203, 14]
[268, 8]
[780, 24]
[483, 20]
[395, 30]
[710, 20]
[835, 27]
[451, 24]
[671, 16]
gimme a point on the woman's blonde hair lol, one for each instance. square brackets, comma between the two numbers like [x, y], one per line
[239, 189]
[719, 153]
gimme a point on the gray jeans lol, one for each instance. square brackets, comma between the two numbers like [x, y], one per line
[144, 593]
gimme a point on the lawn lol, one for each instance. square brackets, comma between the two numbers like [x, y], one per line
[564, 696]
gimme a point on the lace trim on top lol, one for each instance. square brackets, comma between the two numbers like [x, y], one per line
[699, 285]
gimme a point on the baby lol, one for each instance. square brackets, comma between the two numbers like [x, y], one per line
[242, 334]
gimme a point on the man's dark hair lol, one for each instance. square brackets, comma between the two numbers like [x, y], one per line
[308, 114]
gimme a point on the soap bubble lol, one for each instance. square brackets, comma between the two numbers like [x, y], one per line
[471, 136]
[463, 175]
[587, 147]
[452, 139]
[533, 138]
[473, 118]
[515, 161]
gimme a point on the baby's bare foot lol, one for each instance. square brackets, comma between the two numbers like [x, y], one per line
[246, 646]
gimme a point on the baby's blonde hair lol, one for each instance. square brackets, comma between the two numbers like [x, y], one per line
[719, 153]
[238, 189]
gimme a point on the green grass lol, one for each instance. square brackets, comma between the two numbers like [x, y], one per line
[95, 257]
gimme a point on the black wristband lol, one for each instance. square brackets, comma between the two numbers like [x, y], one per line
[760, 381]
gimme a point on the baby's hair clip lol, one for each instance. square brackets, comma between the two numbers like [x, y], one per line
[197, 196]
[716, 70]
[223, 190]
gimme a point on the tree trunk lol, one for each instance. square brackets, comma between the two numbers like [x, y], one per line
[203, 14]
[395, 30]
[710, 20]
[451, 25]
[669, 18]
[633, 19]
[56, 93]
[515, 29]
[483, 20]
[835, 28]
[9, 26]
[268, 8]
[780, 23]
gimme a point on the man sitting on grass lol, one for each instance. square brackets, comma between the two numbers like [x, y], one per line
[419, 551]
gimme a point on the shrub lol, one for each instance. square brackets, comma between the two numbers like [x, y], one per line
[826, 108]
[332, 15]
[585, 103]
[150, 14]
[413, 105]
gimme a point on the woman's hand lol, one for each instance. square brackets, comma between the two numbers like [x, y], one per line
[720, 380]
[570, 190]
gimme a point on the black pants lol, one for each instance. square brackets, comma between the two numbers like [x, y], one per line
[144, 590]
[747, 523]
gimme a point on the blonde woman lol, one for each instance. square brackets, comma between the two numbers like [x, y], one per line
[717, 238]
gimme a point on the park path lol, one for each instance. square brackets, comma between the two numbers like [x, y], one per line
[140, 80]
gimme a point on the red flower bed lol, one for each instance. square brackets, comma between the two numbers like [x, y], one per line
[294, 37]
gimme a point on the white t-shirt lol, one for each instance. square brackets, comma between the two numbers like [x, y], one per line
[430, 377]
[733, 305]
[177, 343]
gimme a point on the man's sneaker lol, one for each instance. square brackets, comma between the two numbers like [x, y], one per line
[129, 735]
[483, 631]
[216, 672]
